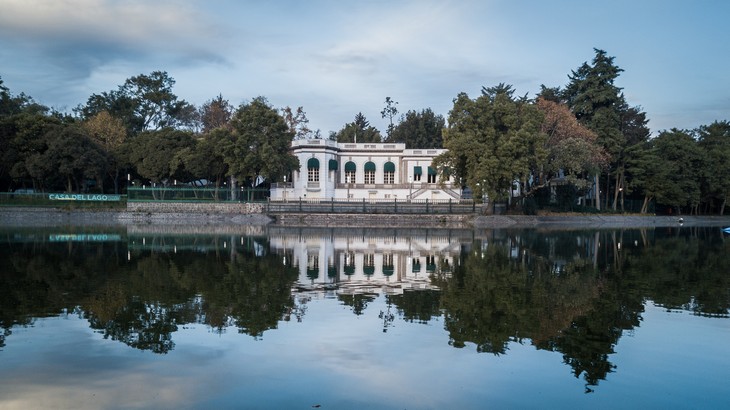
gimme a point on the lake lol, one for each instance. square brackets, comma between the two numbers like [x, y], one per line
[335, 318]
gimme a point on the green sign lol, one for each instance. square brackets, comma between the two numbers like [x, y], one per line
[83, 197]
[86, 237]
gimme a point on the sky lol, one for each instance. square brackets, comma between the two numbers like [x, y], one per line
[337, 58]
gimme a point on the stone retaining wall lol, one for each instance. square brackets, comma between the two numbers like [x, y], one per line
[366, 220]
[197, 207]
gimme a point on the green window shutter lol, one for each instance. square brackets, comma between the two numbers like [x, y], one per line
[417, 171]
[350, 167]
[369, 166]
[333, 165]
[389, 167]
[313, 163]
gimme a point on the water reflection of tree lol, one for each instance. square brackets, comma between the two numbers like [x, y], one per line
[572, 292]
[142, 302]
[417, 305]
[357, 301]
[541, 289]
[688, 271]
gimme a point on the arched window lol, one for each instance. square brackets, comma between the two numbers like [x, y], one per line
[313, 170]
[369, 173]
[350, 172]
[389, 173]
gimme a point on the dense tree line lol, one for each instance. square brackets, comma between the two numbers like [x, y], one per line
[143, 133]
[579, 141]
[582, 140]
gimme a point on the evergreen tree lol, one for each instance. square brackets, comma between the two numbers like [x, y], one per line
[359, 130]
[714, 140]
[422, 129]
[600, 105]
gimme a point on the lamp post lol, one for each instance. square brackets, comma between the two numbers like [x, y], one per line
[410, 189]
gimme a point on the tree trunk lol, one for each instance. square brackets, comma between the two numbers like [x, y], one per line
[597, 192]
[233, 187]
[645, 205]
[617, 188]
[608, 185]
[722, 207]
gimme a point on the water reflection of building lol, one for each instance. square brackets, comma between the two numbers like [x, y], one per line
[352, 262]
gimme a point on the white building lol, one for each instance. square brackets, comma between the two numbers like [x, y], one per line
[373, 171]
[352, 263]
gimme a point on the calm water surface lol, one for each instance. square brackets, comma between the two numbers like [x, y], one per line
[134, 317]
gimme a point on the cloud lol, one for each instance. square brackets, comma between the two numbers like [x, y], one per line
[82, 34]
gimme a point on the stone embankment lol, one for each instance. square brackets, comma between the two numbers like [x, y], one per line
[240, 214]
[140, 213]
[497, 221]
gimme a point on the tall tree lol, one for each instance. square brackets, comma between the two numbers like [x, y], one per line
[74, 157]
[8, 104]
[680, 158]
[261, 143]
[597, 102]
[215, 113]
[143, 102]
[422, 129]
[117, 104]
[110, 133]
[359, 130]
[297, 122]
[389, 112]
[635, 132]
[572, 149]
[24, 134]
[714, 140]
[492, 141]
[648, 173]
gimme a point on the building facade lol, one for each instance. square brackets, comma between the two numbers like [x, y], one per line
[370, 171]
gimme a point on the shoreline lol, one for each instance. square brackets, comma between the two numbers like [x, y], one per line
[38, 217]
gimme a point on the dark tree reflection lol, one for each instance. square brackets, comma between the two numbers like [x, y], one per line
[571, 292]
[418, 306]
[357, 301]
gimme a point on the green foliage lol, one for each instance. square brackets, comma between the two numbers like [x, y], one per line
[422, 129]
[359, 130]
[260, 144]
[680, 158]
[215, 113]
[205, 159]
[714, 141]
[152, 153]
[25, 140]
[143, 102]
[74, 157]
[600, 105]
[492, 141]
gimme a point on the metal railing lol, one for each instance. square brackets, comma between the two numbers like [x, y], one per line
[373, 206]
[194, 194]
